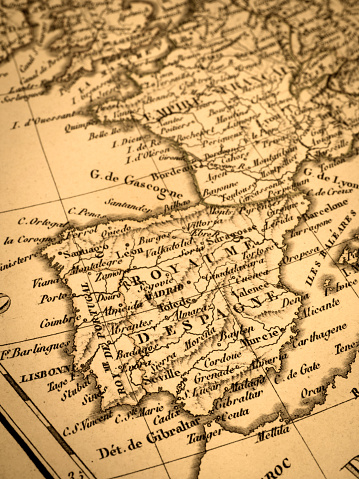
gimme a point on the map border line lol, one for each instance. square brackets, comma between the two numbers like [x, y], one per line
[24, 446]
[39, 415]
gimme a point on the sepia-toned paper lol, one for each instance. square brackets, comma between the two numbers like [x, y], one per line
[179, 239]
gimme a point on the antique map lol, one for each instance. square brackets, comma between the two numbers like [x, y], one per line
[180, 239]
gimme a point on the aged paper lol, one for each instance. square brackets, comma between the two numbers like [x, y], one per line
[179, 241]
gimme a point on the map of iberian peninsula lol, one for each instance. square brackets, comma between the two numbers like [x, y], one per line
[189, 303]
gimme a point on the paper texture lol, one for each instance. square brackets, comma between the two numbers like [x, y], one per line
[179, 241]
